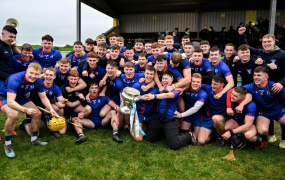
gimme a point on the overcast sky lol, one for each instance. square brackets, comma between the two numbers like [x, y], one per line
[55, 17]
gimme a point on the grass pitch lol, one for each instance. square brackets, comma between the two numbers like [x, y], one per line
[101, 158]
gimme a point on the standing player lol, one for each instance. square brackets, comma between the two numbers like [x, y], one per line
[78, 55]
[46, 55]
[14, 97]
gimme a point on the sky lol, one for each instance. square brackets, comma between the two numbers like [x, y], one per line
[55, 17]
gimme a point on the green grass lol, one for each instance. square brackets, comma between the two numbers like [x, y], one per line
[101, 158]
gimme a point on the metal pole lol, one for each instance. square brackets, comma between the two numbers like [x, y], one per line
[272, 16]
[78, 20]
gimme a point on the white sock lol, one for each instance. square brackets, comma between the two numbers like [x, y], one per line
[33, 138]
[7, 143]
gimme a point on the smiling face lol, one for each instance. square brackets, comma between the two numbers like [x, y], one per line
[64, 68]
[142, 60]
[88, 47]
[229, 51]
[27, 55]
[217, 86]
[196, 83]
[112, 40]
[72, 81]
[139, 47]
[47, 45]
[161, 65]
[102, 51]
[188, 49]
[244, 55]
[205, 48]
[236, 97]
[114, 53]
[185, 40]
[169, 43]
[197, 58]
[129, 71]
[149, 75]
[32, 75]
[260, 78]
[78, 49]
[49, 76]
[129, 54]
[111, 70]
[155, 52]
[8, 37]
[268, 44]
[214, 57]
[148, 47]
[166, 80]
[92, 62]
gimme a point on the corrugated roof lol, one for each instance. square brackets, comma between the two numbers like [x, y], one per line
[115, 8]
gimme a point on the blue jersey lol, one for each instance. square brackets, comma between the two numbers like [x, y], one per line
[130, 82]
[17, 84]
[265, 99]
[222, 68]
[248, 110]
[20, 65]
[51, 92]
[138, 69]
[191, 97]
[176, 74]
[184, 64]
[60, 77]
[152, 59]
[170, 50]
[203, 68]
[47, 59]
[116, 86]
[145, 108]
[215, 106]
[75, 60]
[98, 71]
[97, 103]
[172, 105]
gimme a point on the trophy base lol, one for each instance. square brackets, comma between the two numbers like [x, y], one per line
[125, 110]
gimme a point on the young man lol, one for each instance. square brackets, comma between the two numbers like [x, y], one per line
[129, 56]
[219, 67]
[120, 42]
[130, 77]
[88, 47]
[228, 57]
[102, 51]
[112, 39]
[241, 122]
[96, 103]
[185, 39]
[155, 49]
[202, 66]
[140, 67]
[8, 47]
[148, 48]
[267, 103]
[46, 55]
[139, 47]
[115, 54]
[23, 60]
[169, 44]
[216, 107]
[145, 108]
[76, 105]
[188, 49]
[161, 42]
[205, 46]
[246, 65]
[91, 72]
[52, 91]
[14, 97]
[78, 55]
[100, 39]
[165, 124]
[194, 99]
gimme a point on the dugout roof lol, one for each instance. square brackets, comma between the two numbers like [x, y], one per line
[115, 8]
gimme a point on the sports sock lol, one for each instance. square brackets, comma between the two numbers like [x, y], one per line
[220, 137]
[283, 132]
[80, 134]
[34, 136]
[7, 140]
[271, 128]
[115, 131]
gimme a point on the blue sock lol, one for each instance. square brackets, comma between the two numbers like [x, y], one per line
[220, 137]
[115, 131]
[8, 140]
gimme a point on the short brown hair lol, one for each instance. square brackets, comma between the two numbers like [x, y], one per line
[103, 45]
[89, 41]
[241, 90]
[262, 69]
[50, 69]
[197, 75]
[269, 36]
[120, 39]
[65, 60]
[176, 57]
[73, 73]
[92, 54]
[27, 47]
[150, 68]
[243, 47]
[115, 47]
[139, 40]
[204, 42]
[129, 65]
[47, 38]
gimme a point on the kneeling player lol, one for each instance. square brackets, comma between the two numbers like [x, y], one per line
[14, 98]
[194, 98]
[240, 122]
[97, 103]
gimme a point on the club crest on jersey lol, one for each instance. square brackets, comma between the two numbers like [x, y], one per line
[273, 61]
[260, 92]
[249, 71]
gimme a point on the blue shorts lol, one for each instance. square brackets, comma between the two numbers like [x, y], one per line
[196, 121]
[21, 100]
[237, 121]
[207, 123]
[97, 122]
[146, 120]
[277, 116]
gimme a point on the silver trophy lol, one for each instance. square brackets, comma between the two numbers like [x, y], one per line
[129, 95]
